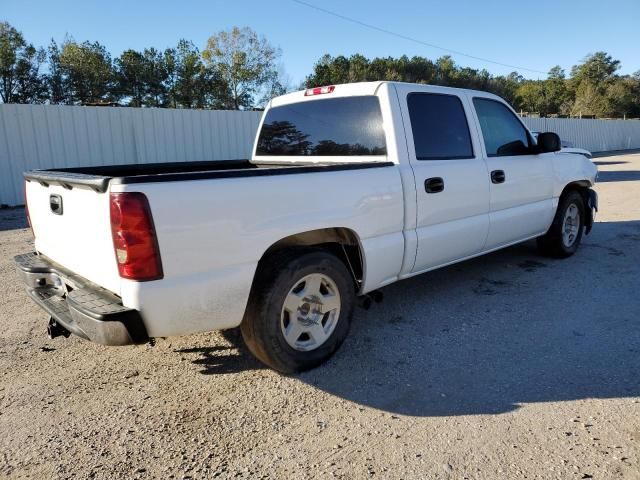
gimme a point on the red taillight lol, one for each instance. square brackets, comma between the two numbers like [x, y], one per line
[26, 210]
[319, 90]
[134, 237]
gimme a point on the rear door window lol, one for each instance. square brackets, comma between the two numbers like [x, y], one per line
[439, 126]
[345, 126]
[503, 133]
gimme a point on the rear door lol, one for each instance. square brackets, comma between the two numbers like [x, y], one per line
[452, 185]
[521, 181]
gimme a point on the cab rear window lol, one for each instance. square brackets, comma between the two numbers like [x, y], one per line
[346, 126]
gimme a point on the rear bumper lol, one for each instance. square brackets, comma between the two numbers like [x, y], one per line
[80, 306]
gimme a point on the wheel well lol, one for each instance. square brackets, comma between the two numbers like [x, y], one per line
[342, 242]
[580, 186]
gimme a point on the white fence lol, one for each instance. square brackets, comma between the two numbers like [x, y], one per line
[50, 136]
[593, 135]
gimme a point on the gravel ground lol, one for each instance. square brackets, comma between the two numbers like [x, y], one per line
[507, 366]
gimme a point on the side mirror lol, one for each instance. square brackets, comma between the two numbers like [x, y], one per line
[548, 142]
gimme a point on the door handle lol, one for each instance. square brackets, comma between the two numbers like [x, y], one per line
[55, 204]
[497, 176]
[434, 185]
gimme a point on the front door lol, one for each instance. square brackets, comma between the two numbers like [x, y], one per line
[521, 181]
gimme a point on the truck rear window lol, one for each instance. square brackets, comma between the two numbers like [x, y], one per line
[338, 126]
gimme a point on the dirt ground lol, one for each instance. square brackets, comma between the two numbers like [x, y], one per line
[508, 366]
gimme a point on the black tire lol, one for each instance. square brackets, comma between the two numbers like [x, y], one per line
[277, 276]
[553, 243]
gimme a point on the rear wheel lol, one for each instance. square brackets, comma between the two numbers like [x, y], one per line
[564, 235]
[299, 311]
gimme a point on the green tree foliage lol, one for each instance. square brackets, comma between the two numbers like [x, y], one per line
[596, 69]
[591, 80]
[593, 88]
[54, 79]
[622, 98]
[191, 84]
[156, 77]
[87, 73]
[142, 78]
[333, 70]
[545, 97]
[20, 78]
[131, 74]
[245, 63]
[238, 69]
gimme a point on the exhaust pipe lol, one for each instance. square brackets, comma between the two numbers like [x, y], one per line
[54, 329]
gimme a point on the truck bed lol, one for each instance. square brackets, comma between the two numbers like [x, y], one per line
[98, 178]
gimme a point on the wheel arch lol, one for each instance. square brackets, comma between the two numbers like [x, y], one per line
[582, 187]
[343, 242]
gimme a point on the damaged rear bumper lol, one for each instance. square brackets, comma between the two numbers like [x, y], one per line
[78, 305]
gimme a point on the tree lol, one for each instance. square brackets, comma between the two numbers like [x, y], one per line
[276, 88]
[593, 89]
[156, 77]
[596, 69]
[592, 79]
[131, 72]
[589, 100]
[20, 79]
[621, 98]
[239, 69]
[532, 97]
[544, 96]
[54, 79]
[245, 63]
[190, 83]
[417, 69]
[445, 70]
[330, 70]
[358, 69]
[87, 72]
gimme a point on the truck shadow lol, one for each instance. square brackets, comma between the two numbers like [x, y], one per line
[604, 162]
[605, 176]
[490, 334]
[234, 357]
[12, 218]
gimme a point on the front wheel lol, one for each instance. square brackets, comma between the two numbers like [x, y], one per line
[299, 311]
[564, 236]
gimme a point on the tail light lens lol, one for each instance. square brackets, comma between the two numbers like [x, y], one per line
[134, 237]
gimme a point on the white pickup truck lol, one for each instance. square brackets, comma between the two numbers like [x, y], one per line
[349, 188]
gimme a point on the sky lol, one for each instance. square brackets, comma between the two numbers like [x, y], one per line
[531, 34]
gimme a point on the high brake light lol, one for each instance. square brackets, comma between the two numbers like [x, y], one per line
[134, 237]
[319, 90]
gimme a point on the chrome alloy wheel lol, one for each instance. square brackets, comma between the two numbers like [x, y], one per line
[570, 225]
[310, 312]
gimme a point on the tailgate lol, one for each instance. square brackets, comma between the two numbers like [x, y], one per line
[77, 233]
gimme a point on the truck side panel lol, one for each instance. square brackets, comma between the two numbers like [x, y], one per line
[213, 233]
[568, 168]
